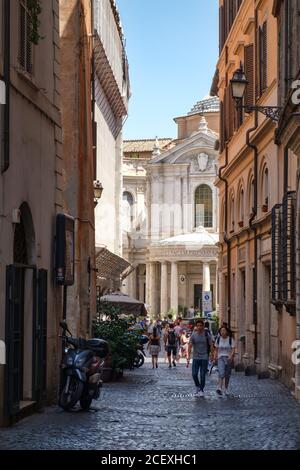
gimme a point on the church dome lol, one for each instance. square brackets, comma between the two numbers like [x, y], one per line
[209, 104]
[200, 237]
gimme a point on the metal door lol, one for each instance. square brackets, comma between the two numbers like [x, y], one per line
[14, 338]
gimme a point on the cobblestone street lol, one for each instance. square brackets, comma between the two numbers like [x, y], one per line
[152, 410]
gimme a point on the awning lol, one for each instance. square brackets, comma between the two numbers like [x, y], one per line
[112, 267]
[125, 303]
[108, 80]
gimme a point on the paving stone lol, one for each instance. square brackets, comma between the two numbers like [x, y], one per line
[156, 409]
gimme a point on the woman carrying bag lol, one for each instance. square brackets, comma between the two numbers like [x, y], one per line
[224, 356]
[154, 347]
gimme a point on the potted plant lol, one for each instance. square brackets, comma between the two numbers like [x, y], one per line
[241, 223]
[265, 208]
[122, 342]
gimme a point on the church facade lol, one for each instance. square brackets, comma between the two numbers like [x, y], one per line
[170, 214]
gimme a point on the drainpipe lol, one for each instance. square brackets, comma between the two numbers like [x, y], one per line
[226, 239]
[254, 229]
[254, 213]
[94, 124]
[5, 164]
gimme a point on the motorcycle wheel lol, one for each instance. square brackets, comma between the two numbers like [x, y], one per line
[69, 399]
[85, 403]
[139, 360]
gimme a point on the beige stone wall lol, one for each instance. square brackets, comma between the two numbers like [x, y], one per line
[78, 170]
[35, 133]
[189, 124]
[274, 329]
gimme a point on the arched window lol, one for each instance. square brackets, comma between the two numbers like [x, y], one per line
[241, 207]
[231, 215]
[203, 206]
[266, 189]
[127, 211]
[251, 197]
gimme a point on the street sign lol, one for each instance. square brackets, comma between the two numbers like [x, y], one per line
[207, 302]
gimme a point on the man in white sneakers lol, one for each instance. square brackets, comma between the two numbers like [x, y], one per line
[201, 344]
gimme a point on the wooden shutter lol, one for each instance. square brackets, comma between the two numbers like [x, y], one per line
[249, 72]
[231, 13]
[264, 40]
[221, 28]
[222, 136]
[262, 58]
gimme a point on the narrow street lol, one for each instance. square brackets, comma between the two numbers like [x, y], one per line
[151, 410]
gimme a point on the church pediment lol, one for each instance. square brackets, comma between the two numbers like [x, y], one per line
[195, 148]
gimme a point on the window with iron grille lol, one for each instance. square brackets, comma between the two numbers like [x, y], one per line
[276, 254]
[25, 43]
[288, 249]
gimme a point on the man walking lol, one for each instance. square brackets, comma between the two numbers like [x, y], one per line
[201, 344]
[170, 341]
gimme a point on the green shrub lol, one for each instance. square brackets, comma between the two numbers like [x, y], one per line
[111, 326]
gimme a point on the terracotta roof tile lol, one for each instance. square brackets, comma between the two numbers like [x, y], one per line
[145, 145]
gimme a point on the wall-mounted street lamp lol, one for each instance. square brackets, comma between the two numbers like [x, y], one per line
[238, 87]
[98, 190]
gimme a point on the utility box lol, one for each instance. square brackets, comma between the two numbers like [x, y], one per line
[64, 250]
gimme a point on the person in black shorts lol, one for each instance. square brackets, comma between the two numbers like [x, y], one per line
[171, 346]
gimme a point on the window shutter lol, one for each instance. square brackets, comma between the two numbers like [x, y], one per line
[25, 44]
[231, 116]
[264, 57]
[258, 64]
[222, 137]
[222, 28]
[231, 14]
[249, 72]
[226, 19]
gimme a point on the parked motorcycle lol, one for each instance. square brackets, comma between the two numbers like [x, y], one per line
[140, 353]
[81, 370]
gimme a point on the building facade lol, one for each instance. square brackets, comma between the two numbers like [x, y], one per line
[77, 166]
[111, 96]
[251, 183]
[288, 141]
[170, 214]
[30, 198]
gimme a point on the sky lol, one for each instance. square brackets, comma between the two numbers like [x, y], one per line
[172, 49]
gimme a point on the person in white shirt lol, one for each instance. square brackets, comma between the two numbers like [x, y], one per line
[191, 312]
[224, 354]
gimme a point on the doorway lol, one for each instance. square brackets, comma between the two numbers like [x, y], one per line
[25, 321]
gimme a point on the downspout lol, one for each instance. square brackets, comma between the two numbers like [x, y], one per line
[254, 213]
[253, 228]
[6, 73]
[94, 124]
[226, 239]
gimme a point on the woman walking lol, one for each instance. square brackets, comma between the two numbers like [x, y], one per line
[154, 347]
[184, 344]
[224, 354]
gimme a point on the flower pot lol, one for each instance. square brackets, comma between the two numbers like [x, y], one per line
[106, 374]
[241, 224]
[265, 208]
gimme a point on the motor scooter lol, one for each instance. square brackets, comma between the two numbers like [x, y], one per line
[81, 370]
[140, 353]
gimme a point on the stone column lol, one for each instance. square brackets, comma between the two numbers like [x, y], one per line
[206, 277]
[141, 288]
[164, 288]
[153, 293]
[174, 286]
[133, 281]
[147, 284]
